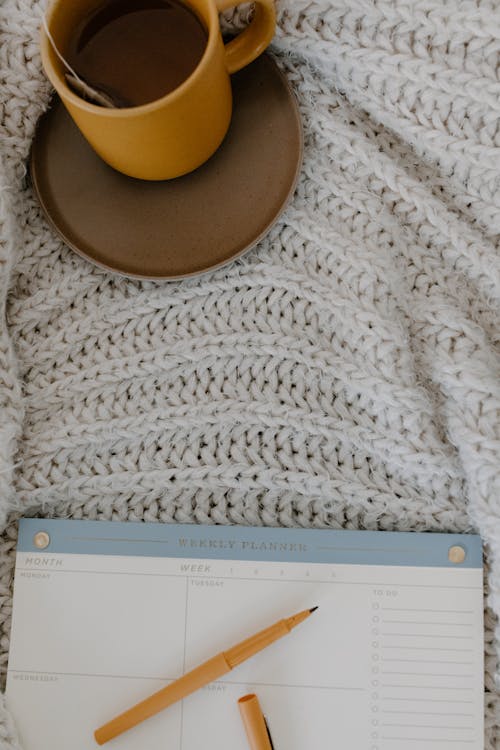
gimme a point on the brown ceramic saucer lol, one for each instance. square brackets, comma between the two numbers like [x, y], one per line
[181, 227]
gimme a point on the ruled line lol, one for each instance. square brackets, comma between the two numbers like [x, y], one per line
[108, 572]
[427, 726]
[440, 611]
[93, 674]
[427, 739]
[181, 733]
[427, 674]
[429, 635]
[116, 539]
[428, 713]
[172, 679]
[286, 685]
[426, 700]
[330, 581]
[429, 661]
[424, 687]
[427, 622]
[431, 648]
[405, 550]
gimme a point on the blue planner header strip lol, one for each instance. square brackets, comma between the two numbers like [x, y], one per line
[248, 543]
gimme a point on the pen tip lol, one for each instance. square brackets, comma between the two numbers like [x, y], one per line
[313, 609]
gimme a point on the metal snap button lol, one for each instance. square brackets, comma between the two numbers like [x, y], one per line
[41, 540]
[456, 554]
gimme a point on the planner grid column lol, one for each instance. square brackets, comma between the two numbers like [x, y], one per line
[181, 732]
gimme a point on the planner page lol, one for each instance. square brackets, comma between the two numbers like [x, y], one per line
[107, 613]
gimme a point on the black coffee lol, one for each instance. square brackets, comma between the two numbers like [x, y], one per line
[137, 51]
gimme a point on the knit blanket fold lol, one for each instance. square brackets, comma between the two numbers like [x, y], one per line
[345, 373]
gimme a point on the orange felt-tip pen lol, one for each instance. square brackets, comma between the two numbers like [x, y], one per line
[197, 678]
[257, 731]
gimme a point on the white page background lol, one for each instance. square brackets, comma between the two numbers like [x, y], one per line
[392, 658]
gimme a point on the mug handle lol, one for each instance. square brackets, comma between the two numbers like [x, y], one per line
[253, 40]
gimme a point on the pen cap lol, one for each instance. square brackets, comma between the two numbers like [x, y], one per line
[254, 723]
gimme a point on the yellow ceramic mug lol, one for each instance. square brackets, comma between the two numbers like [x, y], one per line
[175, 134]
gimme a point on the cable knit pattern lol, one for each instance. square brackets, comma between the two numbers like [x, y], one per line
[345, 373]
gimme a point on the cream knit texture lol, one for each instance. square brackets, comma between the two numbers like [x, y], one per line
[343, 374]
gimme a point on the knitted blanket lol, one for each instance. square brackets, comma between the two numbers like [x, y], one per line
[343, 374]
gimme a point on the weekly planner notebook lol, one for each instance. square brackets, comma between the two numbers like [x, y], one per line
[107, 613]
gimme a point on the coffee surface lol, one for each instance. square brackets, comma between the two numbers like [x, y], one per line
[137, 51]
